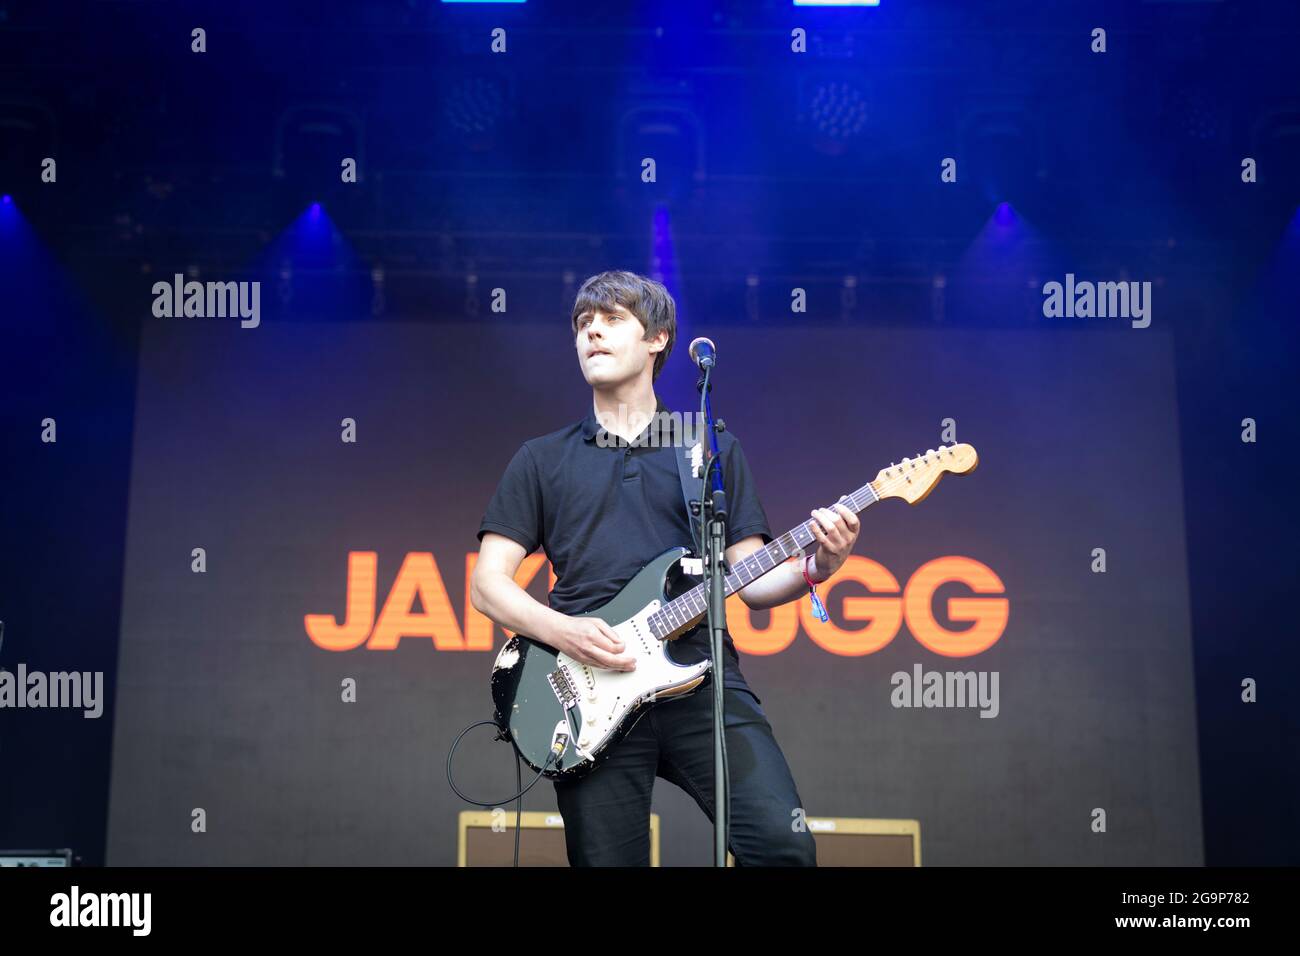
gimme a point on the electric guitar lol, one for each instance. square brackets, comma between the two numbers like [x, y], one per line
[563, 716]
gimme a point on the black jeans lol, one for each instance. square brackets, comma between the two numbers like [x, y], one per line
[607, 812]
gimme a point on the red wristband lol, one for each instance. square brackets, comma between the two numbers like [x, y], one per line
[811, 583]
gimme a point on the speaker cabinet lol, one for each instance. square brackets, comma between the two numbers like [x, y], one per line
[487, 838]
[855, 841]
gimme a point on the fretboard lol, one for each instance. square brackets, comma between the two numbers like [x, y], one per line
[693, 604]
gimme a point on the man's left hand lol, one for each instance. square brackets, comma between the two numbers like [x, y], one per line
[836, 532]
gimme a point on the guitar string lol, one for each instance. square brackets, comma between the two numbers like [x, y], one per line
[664, 615]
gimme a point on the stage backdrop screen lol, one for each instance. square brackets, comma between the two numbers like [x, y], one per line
[298, 649]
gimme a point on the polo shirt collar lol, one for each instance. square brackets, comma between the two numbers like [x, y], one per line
[591, 427]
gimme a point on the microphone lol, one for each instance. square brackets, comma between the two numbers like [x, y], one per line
[703, 353]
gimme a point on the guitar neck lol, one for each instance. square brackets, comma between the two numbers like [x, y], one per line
[693, 603]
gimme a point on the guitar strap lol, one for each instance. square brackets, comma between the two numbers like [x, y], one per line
[690, 469]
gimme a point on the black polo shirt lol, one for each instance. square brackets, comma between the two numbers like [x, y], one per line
[602, 508]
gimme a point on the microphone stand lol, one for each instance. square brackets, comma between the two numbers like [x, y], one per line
[715, 516]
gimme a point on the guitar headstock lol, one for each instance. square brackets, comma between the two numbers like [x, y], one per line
[913, 478]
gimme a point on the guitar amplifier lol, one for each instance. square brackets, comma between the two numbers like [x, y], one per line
[487, 838]
[854, 841]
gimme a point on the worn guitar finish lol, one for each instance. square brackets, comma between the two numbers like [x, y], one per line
[549, 702]
[535, 689]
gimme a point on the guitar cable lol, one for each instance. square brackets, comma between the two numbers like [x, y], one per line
[557, 748]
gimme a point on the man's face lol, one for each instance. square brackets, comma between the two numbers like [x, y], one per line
[611, 349]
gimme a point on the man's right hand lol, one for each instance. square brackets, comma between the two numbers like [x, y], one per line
[591, 641]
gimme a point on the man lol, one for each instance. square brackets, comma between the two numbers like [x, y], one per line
[603, 502]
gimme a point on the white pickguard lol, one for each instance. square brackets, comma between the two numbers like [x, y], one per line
[606, 696]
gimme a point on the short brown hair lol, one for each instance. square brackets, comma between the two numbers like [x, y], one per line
[646, 299]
